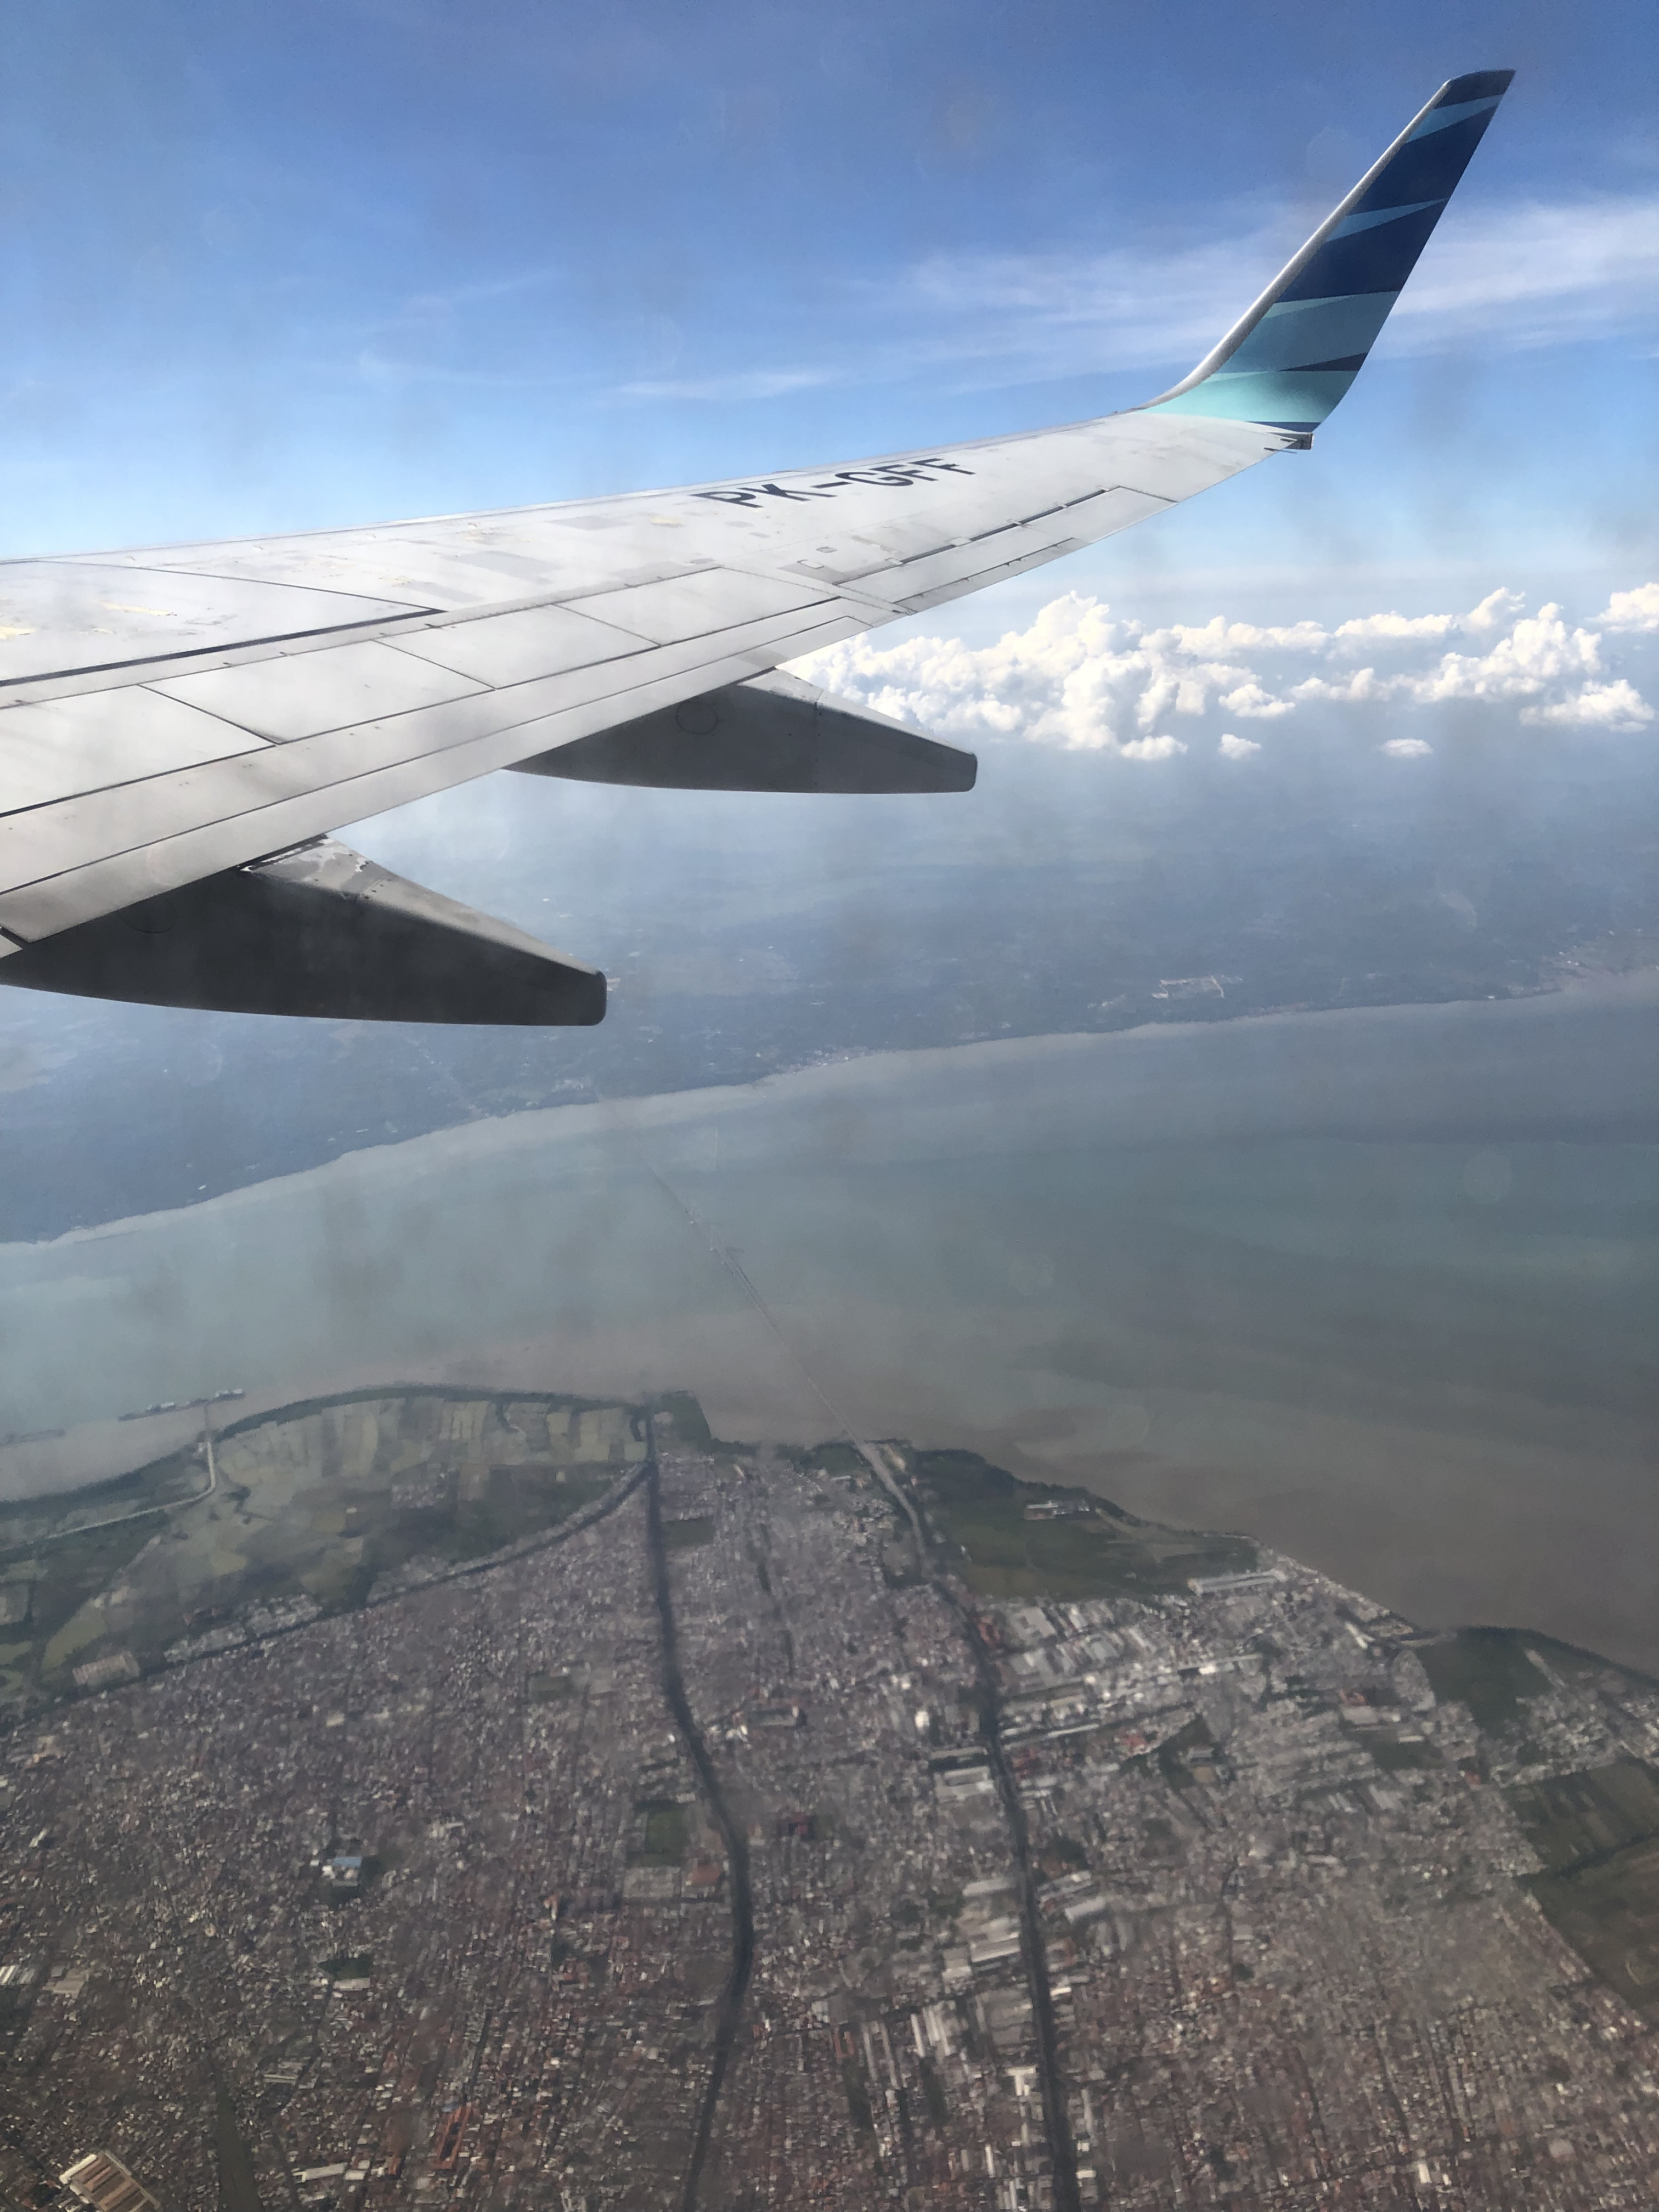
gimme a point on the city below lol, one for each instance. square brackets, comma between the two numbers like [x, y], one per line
[424, 1799]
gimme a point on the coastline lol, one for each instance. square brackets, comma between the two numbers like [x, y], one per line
[1440, 1069]
[1231, 1274]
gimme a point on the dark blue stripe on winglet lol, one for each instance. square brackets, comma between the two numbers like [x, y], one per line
[1332, 299]
[1428, 168]
[1376, 260]
[1481, 84]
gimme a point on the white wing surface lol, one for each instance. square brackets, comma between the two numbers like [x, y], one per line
[173, 718]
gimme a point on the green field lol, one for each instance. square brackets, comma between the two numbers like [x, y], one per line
[682, 1421]
[1597, 1832]
[1397, 1757]
[690, 1534]
[313, 1506]
[170, 1480]
[1172, 1755]
[515, 1502]
[349, 1966]
[1574, 1820]
[838, 1458]
[663, 1833]
[1487, 1669]
[1101, 1552]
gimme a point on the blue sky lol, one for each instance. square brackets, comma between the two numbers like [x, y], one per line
[277, 267]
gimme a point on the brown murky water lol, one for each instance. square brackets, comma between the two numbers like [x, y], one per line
[1382, 1288]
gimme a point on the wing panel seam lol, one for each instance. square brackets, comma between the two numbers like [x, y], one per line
[736, 651]
[329, 633]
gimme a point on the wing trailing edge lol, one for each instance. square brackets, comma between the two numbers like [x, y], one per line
[770, 733]
[317, 930]
[320, 930]
[248, 697]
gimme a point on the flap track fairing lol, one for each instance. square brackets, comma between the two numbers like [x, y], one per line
[771, 734]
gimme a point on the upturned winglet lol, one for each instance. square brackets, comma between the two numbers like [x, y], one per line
[1289, 361]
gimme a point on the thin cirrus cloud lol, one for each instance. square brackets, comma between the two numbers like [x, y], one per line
[1533, 275]
[1537, 274]
[750, 384]
[1080, 679]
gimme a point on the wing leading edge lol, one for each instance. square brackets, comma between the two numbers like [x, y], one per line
[243, 700]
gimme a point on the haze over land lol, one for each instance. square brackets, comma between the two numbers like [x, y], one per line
[1432, 807]
[1376, 1282]
[1382, 1281]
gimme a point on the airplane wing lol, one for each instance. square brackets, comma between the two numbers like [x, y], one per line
[182, 728]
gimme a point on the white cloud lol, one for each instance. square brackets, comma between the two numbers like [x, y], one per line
[1250, 700]
[1538, 650]
[1076, 678]
[1617, 706]
[1219, 636]
[1083, 680]
[1407, 747]
[1637, 610]
[1493, 611]
[1535, 658]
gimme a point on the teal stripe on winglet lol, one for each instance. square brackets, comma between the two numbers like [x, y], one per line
[1353, 224]
[1443, 116]
[1299, 332]
[1291, 357]
[1301, 396]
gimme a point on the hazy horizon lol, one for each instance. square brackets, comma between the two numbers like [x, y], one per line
[1377, 1286]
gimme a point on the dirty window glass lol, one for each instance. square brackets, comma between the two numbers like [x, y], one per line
[997, 1546]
